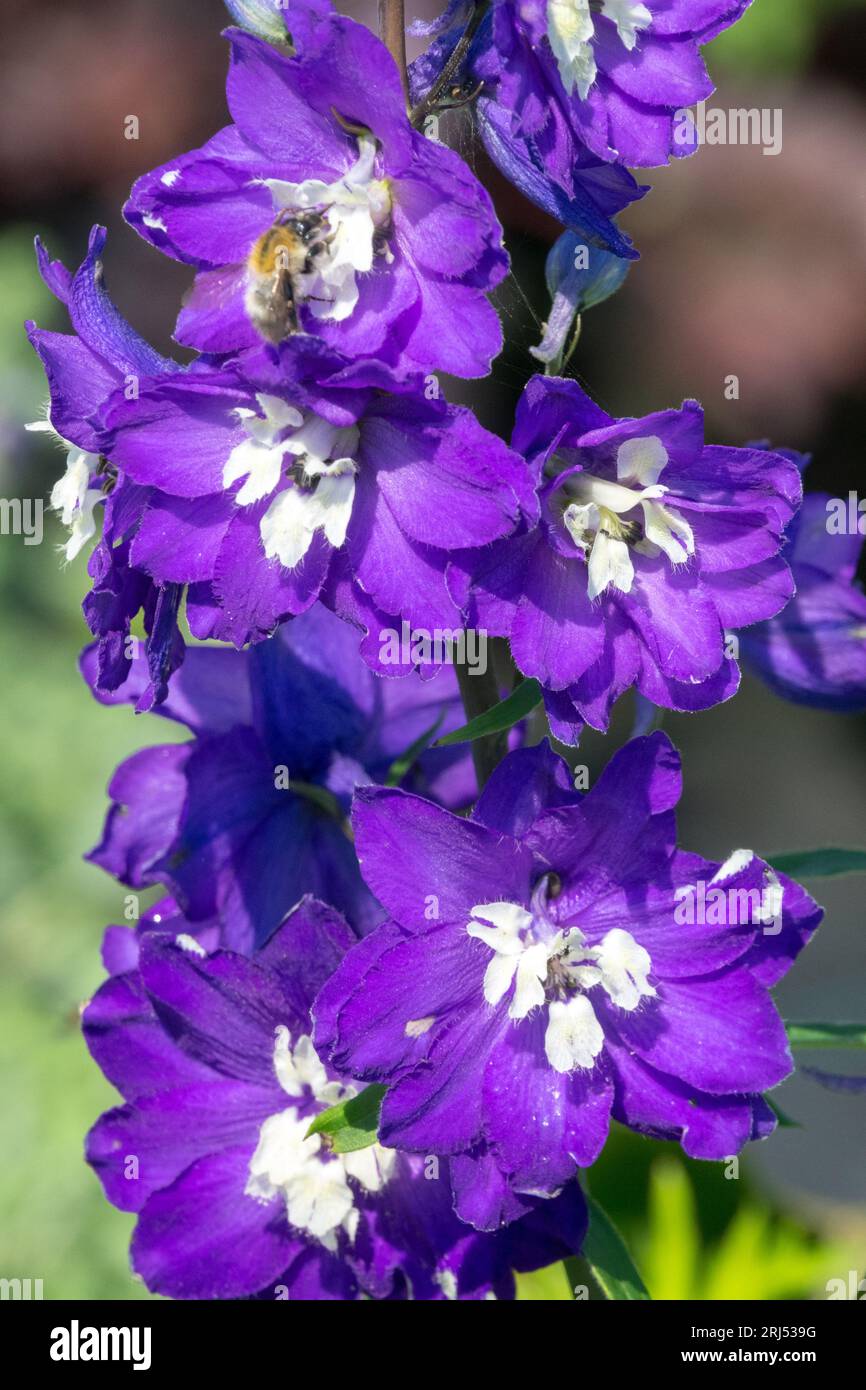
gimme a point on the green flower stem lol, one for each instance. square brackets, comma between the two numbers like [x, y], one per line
[480, 693]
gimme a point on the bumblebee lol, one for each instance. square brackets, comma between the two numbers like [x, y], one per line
[287, 251]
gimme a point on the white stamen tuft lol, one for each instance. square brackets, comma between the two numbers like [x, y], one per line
[321, 500]
[599, 522]
[447, 1281]
[555, 969]
[357, 207]
[190, 945]
[314, 1184]
[734, 864]
[609, 565]
[574, 1036]
[570, 31]
[72, 496]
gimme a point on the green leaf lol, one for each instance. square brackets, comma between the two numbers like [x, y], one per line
[551, 1285]
[505, 715]
[352, 1124]
[671, 1252]
[826, 1034]
[820, 863]
[606, 1254]
[400, 766]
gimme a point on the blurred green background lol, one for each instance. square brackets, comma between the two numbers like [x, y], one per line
[71, 72]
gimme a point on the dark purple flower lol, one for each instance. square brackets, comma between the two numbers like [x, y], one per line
[554, 961]
[262, 473]
[573, 90]
[242, 482]
[814, 651]
[524, 118]
[651, 545]
[104, 356]
[213, 1057]
[249, 816]
[388, 242]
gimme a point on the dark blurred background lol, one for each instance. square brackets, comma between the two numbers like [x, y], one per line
[752, 265]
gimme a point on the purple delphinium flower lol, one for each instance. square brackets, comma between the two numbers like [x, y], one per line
[263, 472]
[567, 79]
[814, 651]
[243, 481]
[394, 243]
[651, 545]
[244, 819]
[547, 966]
[103, 356]
[526, 123]
[212, 1054]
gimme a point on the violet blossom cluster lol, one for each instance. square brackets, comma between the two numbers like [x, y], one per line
[337, 905]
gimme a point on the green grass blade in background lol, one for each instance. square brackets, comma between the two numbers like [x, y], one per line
[826, 1034]
[607, 1255]
[819, 863]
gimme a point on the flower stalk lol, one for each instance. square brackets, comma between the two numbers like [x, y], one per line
[392, 32]
[480, 693]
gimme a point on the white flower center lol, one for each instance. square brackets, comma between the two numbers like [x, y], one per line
[553, 969]
[597, 517]
[570, 30]
[72, 496]
[322, 491]
[356, 208]
[314, 1184]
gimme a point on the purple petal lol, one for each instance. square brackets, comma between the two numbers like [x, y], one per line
[709, 1127]
[148, 791]
[556, 633]
[370, 1001]
[775, 951]
[177, 436]
[166, 1131]
[221, 1009]
[209, 694]
[205, 207]
[656, 72]
[400, 576]
[483, 1195]
[202, 1237]
[268, 102]
[720, 1033]
[438, 1107]
[179, 539]
[424, 864]
[305, 951]
[128, 1043]
[255, 593]
[450, 483]
[543, 1124]
[526, 783]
